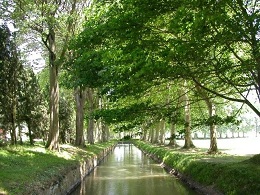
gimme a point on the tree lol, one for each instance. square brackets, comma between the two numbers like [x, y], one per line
[187, 117]
[10, 70]
[66, 115]
[31, 105]
[91, 121]
[54, 22]
[211, 112]
[133, 46]
[225, 48]
[80, 98]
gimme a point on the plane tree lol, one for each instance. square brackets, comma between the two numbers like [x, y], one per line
[224, 43]
[133, 45]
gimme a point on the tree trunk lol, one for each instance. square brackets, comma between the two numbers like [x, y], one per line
[53, 137]
[105, 132]
[20, 134]
[30, 132]
[143, 136]
[173, 142]
[98, 131]
[13, 112]
[233, 133]
[188, 140]
[80, 98]
[213, 129]
[91, 123]
[173, 120]
[151, 135]
[12, 131]
[156, 133]
[162, 131]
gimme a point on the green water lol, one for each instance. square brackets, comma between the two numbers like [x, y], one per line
[127, 171]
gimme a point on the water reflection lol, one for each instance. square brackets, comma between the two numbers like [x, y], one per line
[127, 171]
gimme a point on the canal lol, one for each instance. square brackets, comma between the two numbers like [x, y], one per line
[127, 171]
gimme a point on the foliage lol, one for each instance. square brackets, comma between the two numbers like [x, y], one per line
[32, 107]
[10, 73]
[21, 100]
[131, 46]
[66, 116]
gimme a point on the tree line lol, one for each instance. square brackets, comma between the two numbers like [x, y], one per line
[141, 67]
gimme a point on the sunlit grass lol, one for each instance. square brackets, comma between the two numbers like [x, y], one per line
[25, 167]
[228, 173]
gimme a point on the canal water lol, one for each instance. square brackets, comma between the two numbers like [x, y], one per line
[127, 171]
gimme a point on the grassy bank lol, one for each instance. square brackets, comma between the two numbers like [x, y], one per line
[25, 167]
[226, 173]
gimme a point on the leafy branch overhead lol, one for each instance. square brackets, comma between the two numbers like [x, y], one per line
[130, 46]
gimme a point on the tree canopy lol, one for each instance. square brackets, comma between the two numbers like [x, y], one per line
[129, 46]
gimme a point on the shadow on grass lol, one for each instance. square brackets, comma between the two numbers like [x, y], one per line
[22, 169]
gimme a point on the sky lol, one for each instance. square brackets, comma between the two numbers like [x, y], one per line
[34, 58]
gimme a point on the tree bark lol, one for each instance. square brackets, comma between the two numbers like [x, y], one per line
[143, 136]
[155, 139]
[162, 131]
[173, 142]
[53, 137]
[187, 117]
[91, 123]
[213, 129]
[30, 132]
[12, 131]
[105, 132]
[104, 127]
[212, 112]
[80, 98]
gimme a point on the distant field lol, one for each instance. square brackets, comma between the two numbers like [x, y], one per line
[239, 146]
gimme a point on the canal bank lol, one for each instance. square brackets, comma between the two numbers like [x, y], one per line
[76, 174]
[128, 171]
[36, 170]
[208, 174]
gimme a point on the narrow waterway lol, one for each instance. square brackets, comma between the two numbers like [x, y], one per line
[127, 171]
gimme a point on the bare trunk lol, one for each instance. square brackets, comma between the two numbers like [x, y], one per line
[30, 132]
[12, 131]
[20, 134]
[173, 142]
[187, 126]
[80, 98]
[98, 131]
[162, 132]
[143, 136]
[105, 132]
[91, 123]
[233, 133]
[156, 134]
[151, 135]
[53, 137]
[13, 112]
[173, 119]
[213, 129]
[212, 112]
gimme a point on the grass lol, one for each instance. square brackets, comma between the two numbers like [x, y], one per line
[25, 167]
[226, 173]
